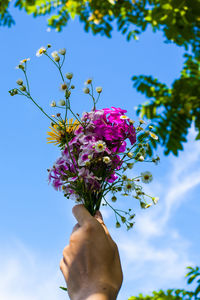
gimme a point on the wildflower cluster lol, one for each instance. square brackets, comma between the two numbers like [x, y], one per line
[96, 149]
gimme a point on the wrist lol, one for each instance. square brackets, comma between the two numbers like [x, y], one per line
[102, 293]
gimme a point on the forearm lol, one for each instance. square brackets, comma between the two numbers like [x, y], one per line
[103, 293]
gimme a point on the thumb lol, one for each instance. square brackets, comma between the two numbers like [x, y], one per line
[98, 215]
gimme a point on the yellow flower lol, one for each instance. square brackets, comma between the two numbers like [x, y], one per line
[57, 135]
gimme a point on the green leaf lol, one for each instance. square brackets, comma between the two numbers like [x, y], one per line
[63, 288]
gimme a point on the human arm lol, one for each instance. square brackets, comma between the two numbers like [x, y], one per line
[91, 264]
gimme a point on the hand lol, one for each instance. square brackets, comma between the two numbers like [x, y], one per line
[91, 264]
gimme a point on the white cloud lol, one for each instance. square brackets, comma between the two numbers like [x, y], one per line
[25, 275]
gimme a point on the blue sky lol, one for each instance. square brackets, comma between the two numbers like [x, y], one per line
[35, 220]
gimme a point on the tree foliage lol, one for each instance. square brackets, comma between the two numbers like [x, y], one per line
[172, 110]
[176, 294]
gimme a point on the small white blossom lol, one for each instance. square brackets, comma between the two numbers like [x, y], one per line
[146, 177]
[69, 75]
[106, 159]
[130, 154]
[40, 51]
[123, 117]
[100, 146]
[62, 51]
[24, 60]
[19, 81]
[141, 158]
[99, 89]
[129, 186]
[153, 135]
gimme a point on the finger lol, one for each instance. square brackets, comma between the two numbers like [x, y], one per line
[99, 218]
[76, 227]
[81, 214]
[64, 268]
[98, 215]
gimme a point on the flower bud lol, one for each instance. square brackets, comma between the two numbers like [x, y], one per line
[62, 102]
[117, 225]
[123, 219]
[48, 46]
[72, 87]
[99, 89]
[130, 154]
[88, 81]
[114, 198]
[63, 86]
[129, 165]
[19, 81]
[69, 75]
[86, 90]
[21, 67]
[53, 104]
[141, 158]
[62, 51]
[57, 58]
[22, 88]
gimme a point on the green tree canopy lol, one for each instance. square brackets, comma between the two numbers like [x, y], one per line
[172, 109]
[176, 294]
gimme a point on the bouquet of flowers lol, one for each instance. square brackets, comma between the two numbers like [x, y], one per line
[96, 148]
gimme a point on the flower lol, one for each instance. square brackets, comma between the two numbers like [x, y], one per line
[86, 90]
[146, 177]
[129, 186]
[106, 159]
[69, 75]
[99, 89]
[19, 81]
[64, 86]
[123, 117]
[40, 51]
[88, 81]
[57, 133]
[153, 135]
[62, 51]
[55, 55]
[130, 154]
[24, 60]
[100, 146]
[62, 102]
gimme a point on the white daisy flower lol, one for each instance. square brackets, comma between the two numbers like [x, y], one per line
[40, 51]
[146, 177]
[153, 135]
[129, 186]
[106, 159]
[123, 117]
[54, 53]
[100, 146]
[24, 60]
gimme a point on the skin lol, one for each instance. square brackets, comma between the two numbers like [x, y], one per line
[91, 264]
